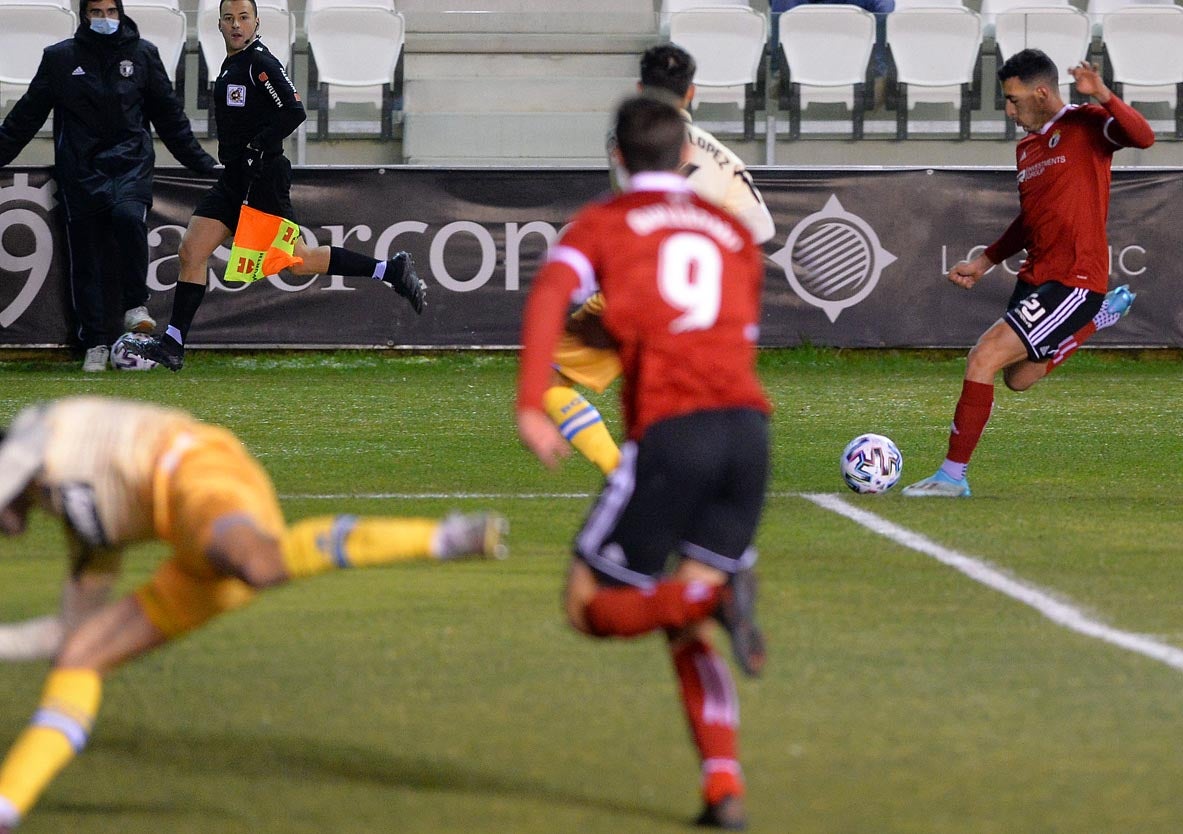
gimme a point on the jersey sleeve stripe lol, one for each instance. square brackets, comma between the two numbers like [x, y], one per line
[577, 261]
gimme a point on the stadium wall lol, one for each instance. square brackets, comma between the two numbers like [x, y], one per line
[858, 260]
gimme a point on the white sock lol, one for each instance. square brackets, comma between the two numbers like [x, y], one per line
[954, 470]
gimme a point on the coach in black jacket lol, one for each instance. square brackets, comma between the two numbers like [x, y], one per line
[104, 86]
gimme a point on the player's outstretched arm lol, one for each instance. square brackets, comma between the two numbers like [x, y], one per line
[40, 638]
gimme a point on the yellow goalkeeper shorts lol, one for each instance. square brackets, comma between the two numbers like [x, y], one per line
[585, 353]
[205, 475]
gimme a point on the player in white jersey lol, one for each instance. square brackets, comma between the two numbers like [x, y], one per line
[585, 355]
[118, 472]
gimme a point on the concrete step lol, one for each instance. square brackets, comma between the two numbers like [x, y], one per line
[460, 65]
[516, 95]
[504, 136]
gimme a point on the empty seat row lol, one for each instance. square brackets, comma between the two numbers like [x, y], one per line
[356, 46]
[935, 50]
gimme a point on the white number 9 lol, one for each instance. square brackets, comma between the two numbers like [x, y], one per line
[36, 262]
[690, 278]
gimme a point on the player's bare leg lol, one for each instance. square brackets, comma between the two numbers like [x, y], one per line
[202, 237]
[998, 348]
[60, 728]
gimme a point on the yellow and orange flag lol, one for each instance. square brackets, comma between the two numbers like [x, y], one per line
[263, 245]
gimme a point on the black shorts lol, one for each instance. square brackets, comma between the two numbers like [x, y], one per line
[1044, 316]
[693, 486]
[270, 192]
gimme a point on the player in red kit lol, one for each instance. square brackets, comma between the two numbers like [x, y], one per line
[1059, 299]
[682, 282]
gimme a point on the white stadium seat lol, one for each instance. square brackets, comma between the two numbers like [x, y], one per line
[826, 50]
[934, 51]
[992, 8]
[1145, 48]
[1098, 9]
[727, 43]
[357, 51]
[25, 30]
[163, 23]
[668, 7]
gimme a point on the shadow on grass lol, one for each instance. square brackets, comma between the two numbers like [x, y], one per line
[298, 758]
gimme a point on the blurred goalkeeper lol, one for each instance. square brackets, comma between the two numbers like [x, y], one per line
[256, 108]
[119, 472]
[585, 356]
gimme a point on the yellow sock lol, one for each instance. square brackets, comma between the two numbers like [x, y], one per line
[316, 545]
[57, 733]
[583, 427]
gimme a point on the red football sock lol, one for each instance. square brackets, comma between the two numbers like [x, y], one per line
[969, 419]
[1070, 345]
[628, 612]
[712, 708]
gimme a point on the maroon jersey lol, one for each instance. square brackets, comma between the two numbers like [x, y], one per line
[1064, 175]
[681, 281]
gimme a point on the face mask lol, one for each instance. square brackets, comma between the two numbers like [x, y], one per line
[104, 25]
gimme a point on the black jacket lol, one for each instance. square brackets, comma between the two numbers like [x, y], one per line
[103, 91]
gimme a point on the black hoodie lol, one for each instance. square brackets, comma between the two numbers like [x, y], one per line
[103, 90]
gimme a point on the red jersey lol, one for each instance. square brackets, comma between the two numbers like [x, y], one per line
[681, 281]
[1064, 174]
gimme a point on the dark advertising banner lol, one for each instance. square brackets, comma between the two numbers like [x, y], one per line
[858, 260]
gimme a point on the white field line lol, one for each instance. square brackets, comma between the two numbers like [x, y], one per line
[1058, 611]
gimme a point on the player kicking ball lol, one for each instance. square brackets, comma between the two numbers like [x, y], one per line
[118, 472]
[1059, 299]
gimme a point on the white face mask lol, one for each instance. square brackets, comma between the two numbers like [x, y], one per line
[104, 25]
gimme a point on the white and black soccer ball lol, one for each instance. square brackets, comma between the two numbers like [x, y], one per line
[124, 360]
[871, 463]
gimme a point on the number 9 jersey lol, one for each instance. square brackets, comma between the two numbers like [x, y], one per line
[682, 282]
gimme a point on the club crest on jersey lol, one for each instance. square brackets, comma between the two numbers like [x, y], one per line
[126, 68]
[1055, 140]
[236, 95]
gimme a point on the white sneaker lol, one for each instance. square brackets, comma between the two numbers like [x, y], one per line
[96, 359]
[138, 320]
[479, 534]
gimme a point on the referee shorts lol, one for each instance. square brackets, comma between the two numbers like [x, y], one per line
[692, 487]
[204, 476]
[269, 192]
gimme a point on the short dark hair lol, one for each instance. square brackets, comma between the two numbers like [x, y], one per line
[650, 135]
[254, 6]
[668, 67]
[1030, 65]
[82, 4]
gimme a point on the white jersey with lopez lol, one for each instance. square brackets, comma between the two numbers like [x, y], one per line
[718, 176]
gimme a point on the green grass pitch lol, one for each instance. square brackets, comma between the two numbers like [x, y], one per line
[900, 696]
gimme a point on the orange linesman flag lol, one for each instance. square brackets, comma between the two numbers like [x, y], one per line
[263, 245]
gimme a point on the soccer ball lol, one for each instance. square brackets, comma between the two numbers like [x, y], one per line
[871, 463]
[124, 360]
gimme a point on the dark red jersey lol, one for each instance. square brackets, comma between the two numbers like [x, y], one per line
[1064, 175]
[681, 281]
